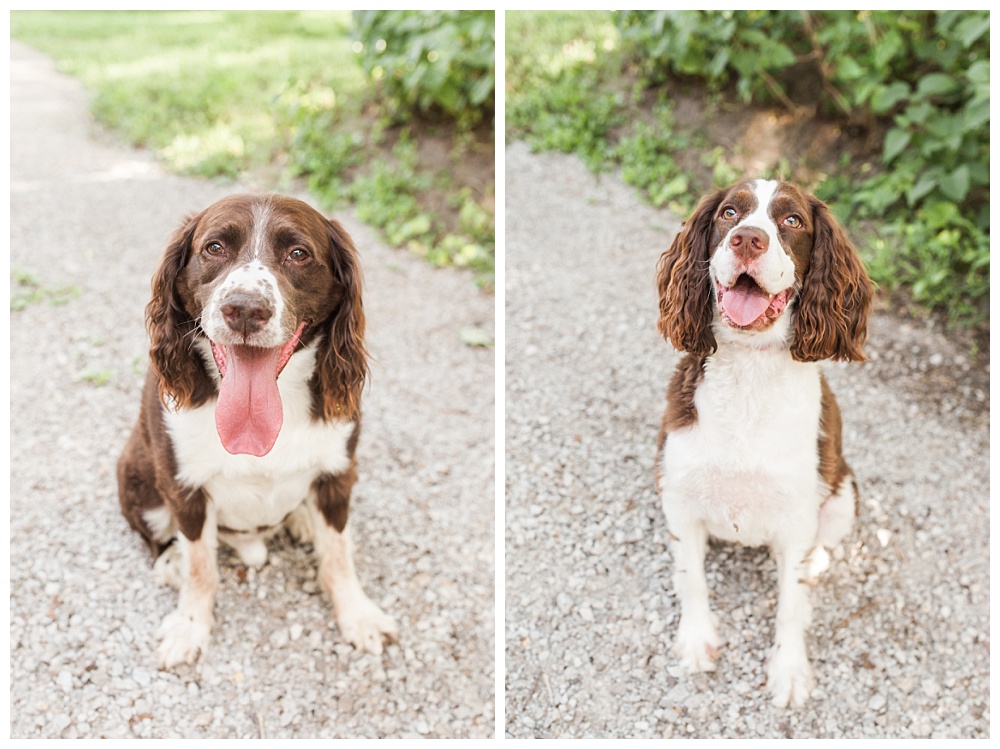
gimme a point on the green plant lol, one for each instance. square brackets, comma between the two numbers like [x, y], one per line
[646, 156]
[219, 93]
[557, 92]
[916, 81]
[430, 60]
[197, 87]
[98, 377]
[27, 290]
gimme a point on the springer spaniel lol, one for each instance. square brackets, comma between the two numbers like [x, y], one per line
[760, 284]
[251, 409]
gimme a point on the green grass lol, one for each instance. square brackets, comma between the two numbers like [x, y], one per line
[561, 94]
[199, 88]
[26, 290]
[567, 90]
[279, 94]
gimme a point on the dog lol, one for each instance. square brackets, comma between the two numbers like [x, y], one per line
[760, 284]
[250, 411]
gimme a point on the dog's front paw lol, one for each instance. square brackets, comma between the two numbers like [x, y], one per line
[789, 679]
[697, 648]
[184, 638]
[816, 564]
[367, 627]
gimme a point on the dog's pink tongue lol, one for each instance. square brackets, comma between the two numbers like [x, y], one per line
[248, 415]
[745, 301]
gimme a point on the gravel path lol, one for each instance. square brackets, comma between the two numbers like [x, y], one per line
[88, 213]
[900, 635]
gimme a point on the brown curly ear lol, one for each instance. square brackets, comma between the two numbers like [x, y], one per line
[342, 358]
[178, 367]
[832, 310]
[684, 285]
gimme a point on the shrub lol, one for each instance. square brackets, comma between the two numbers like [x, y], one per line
[921, 77]
[439, 61]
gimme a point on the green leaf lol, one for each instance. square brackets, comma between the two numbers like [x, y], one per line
[475, 337]
[887, 49]
[939, 214]
[956, 184]
[936, 84]
[976, 114]
[895, 141]
[979, 72]
[973, 27]
[927, 182]
[780, 56]
[718, 64]
[849, 70]
[886, 97]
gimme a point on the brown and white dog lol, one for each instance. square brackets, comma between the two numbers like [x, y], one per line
[760, 284]
[251, 409]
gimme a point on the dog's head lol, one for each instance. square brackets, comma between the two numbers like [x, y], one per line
[259, 277]
[763, 262]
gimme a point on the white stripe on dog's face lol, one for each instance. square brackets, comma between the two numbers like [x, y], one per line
[258, 240]
[252, 279]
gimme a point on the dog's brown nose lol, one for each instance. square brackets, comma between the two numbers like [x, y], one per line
[246, 313]
[748, 243]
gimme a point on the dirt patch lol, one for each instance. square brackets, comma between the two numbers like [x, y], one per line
[796, 141]
[459, 161]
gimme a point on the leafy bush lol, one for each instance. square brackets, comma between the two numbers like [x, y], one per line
[919, 77]
[431, 60]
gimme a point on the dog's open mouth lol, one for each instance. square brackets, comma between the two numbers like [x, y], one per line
[746, 304]
[248, 415]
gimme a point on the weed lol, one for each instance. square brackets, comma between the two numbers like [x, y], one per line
[98, 377]
[27, 290]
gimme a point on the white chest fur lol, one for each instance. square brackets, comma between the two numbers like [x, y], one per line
[249, 492]
[749, 466]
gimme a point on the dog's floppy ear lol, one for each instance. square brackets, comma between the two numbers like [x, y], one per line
[831, 319]
[178, 367]
[342, 358]
[684, 285]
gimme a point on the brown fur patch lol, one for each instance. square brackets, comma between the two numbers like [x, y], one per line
[680, 411]
[832, 466]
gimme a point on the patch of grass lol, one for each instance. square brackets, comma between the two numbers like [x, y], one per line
[561, 94]
[26, 289]
[568, 91]
[98, 377]
[197, 87]
[221, 93]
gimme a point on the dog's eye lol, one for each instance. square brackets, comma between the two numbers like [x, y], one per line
[214, 249]
[729, 214]
[793, 221]
[298, 255]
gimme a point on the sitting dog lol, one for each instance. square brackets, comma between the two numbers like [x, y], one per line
[760, 284]
[250, 412]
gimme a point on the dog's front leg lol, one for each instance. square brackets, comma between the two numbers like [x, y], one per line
[789, 675]
[185, 632]
[697, 644]
[361, 622]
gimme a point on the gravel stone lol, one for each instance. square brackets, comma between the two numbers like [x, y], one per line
[582, 351]
[89, 211]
